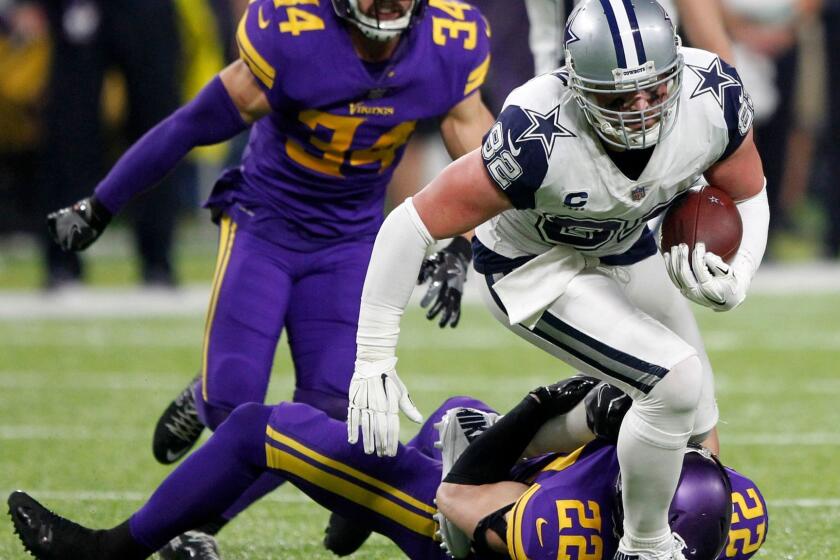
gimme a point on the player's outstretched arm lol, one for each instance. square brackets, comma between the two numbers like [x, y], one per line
[477, 485]
[462, 130]
[224, 108]
[459, 199]
[704, 277]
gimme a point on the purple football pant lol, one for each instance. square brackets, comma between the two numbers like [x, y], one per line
[392, 495]
[258, 289]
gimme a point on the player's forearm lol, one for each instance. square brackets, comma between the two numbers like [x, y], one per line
[755, 216]
[705, 28]
[397, 255]
[208, 119]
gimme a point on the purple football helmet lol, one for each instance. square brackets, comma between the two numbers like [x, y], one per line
[750, 520]
[701, 510]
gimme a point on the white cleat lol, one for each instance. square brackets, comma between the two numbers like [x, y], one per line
[675, 552]
[457, 429]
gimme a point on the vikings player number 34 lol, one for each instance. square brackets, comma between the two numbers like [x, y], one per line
[341, 142]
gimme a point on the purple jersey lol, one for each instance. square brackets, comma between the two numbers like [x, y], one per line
[567, 511]
[750, 520]
[316, 168]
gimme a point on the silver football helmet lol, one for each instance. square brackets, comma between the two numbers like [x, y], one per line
[617, 48]
[378, 28]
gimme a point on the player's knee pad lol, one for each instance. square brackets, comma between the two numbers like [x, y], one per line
[665, 416]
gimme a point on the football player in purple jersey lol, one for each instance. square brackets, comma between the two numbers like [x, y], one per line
[331, 91]
[554, 505]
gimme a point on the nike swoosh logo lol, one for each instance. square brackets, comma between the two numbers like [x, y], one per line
[540, 523]
[261, 20]
[513, 149]
[172, 457]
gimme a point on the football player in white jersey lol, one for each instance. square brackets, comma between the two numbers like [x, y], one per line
[561, 192]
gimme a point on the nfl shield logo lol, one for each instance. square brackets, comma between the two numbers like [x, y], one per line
[637, 194]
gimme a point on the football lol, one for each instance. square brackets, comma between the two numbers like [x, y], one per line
[707, 215]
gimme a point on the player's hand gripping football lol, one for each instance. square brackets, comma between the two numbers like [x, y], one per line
[376, 397]
[446, 272]
[704, 277]
[76, 227]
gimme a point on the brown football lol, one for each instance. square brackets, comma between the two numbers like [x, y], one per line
[707, 215]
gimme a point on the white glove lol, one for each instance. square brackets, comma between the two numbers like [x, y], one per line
[708, 280]
[376, 397]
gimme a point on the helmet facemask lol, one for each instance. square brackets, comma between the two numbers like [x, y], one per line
[381, 23]
[630, 129]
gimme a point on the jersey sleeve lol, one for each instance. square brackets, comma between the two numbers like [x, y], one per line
[256, 38]
[479, 63]
[514, 156]
[737, 111]
[461, 37]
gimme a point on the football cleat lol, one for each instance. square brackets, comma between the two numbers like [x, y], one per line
[675, 552]
[344, 537]
[48, 536]
[178, 428]
[457, 429]
[192, 545]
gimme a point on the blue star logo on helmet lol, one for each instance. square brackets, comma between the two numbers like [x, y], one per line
[713, 79]
[545, 128]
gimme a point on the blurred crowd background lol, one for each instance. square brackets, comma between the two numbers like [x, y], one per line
[80, 80]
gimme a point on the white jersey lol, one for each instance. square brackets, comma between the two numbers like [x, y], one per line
[546, 157]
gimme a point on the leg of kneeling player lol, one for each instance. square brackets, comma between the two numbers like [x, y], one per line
[392, 495]
[595, 328]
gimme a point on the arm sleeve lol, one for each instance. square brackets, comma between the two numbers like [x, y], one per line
[755, 215]
[398, 252]
[208, 119]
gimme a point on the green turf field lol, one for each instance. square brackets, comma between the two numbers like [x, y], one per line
[79, 401]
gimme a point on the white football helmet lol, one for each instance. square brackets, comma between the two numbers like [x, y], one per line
[372, 26]
[618, 47]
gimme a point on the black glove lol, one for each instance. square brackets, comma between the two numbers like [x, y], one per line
[605, 409]
[447, 270]
[563, 396]
[76, 227]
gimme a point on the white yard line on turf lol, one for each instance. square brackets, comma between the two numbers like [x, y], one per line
[9, 432]
[807, 278]
[420, 382]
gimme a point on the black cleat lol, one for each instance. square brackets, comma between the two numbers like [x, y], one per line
[177, 429]
[192, 545]
[48, 536]
[344, 537]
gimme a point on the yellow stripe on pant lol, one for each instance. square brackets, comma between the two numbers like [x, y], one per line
[386, 506]
[227, 233]
[516, 548]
